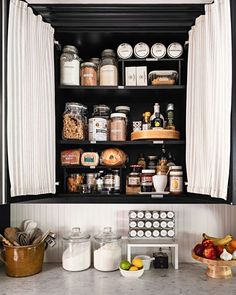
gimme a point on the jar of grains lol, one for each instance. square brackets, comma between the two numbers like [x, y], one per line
[73, 121]
[108, 68]
[118, 127]
[70, 66]
[88, 74]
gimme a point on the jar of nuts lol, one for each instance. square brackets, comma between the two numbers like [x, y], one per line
[74, 121]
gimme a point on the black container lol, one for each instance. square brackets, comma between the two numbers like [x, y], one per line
[161, 260]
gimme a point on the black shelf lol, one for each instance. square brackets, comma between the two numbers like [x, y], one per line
[121, 143]
[121, 88]
[80, 167]
[150, 59]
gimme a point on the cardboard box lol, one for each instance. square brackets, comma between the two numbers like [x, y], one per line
[141, 73]
[130, 76]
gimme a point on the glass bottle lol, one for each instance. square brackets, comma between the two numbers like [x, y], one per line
[170, 116]
[141, 161]
[116, 181]
[146, 121]
[157, 122]
[108, 68]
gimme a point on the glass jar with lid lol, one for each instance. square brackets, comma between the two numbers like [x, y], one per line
[108, 68]
[176, 180]
[74, 121]
[70, 66]
[88, 74]
[118, 127]
[107, 250]
[99, 123]
[76, 251]
[97, 62]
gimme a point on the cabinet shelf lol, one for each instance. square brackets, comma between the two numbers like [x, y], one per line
[121, 143]
[99, 167]
[150, 59]
[122, 88]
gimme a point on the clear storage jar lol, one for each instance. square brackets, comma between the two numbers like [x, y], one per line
[107, 250]
[70, 66]
[99, 123]
[88, 74]
[118, 127]
[108, 68]
[74, 121]
[76, 251]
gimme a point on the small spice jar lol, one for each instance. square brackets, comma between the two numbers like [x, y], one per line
[146, 180]
[118, 127]
[176, 180]
[88, 74]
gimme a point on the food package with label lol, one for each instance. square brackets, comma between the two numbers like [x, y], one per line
[89, 159]
[157, 78]
[71, 157]
[113, 157]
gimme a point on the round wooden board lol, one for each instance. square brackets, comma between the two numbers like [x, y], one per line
[217, 269]
[155, 134]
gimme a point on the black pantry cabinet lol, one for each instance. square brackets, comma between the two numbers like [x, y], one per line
[93, 28]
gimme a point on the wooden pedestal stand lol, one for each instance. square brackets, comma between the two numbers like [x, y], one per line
[155, 134]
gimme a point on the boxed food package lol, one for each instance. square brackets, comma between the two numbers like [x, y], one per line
[71, 157]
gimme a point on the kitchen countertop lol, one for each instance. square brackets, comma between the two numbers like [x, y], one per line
[190, 279]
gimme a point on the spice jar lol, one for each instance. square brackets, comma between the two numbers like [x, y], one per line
[109, 182]
[118, 127]
[146, 180]
[176, 180]
[108, 69]
[99, 123]
[88, 74]
[76, 251]
[69, 66]
[74, 182]
[74, 121]
[133, 179]
[107, 250]
[97, 62]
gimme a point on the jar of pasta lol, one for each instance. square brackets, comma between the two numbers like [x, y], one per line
[73, 121]
[88, 74]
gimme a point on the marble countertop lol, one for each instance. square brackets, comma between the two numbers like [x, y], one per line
[190, 279]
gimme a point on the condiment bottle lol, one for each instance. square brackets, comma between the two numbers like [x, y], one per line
[141, 161]
[176, 180]
[146, 121]
[170, 116]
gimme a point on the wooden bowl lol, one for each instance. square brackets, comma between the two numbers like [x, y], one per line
[217, 269]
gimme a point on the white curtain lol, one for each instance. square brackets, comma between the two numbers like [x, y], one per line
[30, 103]
[209, 87]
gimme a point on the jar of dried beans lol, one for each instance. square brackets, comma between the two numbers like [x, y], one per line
[74, 121]
[88, 74]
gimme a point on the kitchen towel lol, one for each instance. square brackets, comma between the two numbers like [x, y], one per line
[31, 102]
[208, 114]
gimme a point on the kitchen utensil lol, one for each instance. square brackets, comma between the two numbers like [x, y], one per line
[44, 236]
[132, 274]
[29, 226]
[23, 238]
[5, 241]
[216, 269]
[37, 233]
[10, 234]
[146, 261]
[159, 182]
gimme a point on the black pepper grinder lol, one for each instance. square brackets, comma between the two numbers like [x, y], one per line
[161, 259]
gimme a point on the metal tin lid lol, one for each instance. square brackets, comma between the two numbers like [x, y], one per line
[118, 115]
[74, 105]
[124, 51]
[125, 109]
[67, 48]
[107, 236]
[108, 52]
[141, 50]
[148, 171]
[76, 236]
[158, 50]
[88, 64]
[175, 50]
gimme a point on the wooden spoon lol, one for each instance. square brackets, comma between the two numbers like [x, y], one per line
[10, 234]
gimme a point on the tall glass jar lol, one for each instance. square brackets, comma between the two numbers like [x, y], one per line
[70, 66]
[118, 127]
[108, 68]
[74, 121]
[76, 251]
[107, 250]
[99, 123]
[96, 61]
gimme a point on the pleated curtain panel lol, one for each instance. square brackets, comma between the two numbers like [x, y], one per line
[30, 103]
[208, 115]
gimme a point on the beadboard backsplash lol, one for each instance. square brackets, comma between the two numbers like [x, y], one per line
[191, 221]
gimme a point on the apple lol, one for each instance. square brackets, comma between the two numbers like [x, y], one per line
[219, 250]
[207, 243]
[210, 252]
[198, 250]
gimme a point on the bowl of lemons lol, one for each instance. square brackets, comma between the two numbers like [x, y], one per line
[134, 269]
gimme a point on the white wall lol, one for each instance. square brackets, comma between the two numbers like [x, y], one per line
[192, 221]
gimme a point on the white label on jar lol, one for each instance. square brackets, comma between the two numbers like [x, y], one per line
[70, 72]
[109, 182]
[176, 184]
[148, 224]
[170, 224]
[140, 214]
[155, 233]
[98, 129]
[108, 75]
[133, 180]
[163, 233]
[156, 224]
[140, 224]
[148, 233]
[163, 224]
[170, 214]
[171, 233]
[133, 214]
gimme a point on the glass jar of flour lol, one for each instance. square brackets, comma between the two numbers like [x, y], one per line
[76, 251]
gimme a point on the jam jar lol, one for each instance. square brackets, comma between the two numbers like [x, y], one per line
[146, 180]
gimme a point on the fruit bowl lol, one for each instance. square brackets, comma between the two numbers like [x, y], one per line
[217, 268]
[132, 274]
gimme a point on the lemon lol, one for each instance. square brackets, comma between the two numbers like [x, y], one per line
[137, 262]
[133, 268]
[125, 265]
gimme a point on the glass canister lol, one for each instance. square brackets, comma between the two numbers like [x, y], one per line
[118, 127]
[176, 180]
[70, 66]
[97, 62]
[108, 68]
[74, 121]
[88, 74]
[99, 123]
[76, 251]
[107, 250]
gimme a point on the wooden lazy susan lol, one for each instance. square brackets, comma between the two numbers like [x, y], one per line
[217, 269]
[155, 134]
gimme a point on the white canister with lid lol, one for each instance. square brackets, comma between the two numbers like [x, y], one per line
[107, 250]
[175, 50]
[158, 50]
[176, 180]
[76, 251]
[141, 50]
[124, 51]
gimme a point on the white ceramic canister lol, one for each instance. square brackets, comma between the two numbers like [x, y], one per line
[159, 182]
[175, 50]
